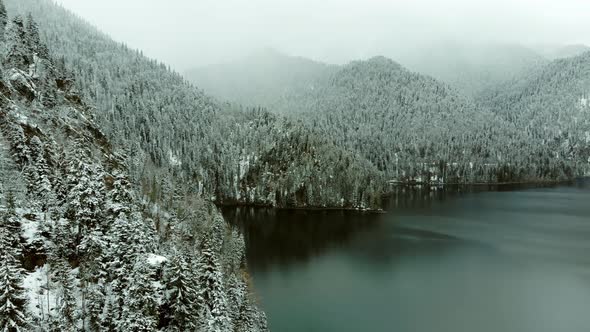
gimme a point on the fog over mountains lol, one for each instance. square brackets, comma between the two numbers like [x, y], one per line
[187, 34]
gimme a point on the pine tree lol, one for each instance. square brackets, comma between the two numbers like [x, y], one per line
[13, 316]
[38, 174]
[3, 20]
[97, 301]
[67, 308]
[119, 198]
[181, 297]
[140, 313]
[212, 300]
[85, 199]
[18, 142]
[33, 40]
[18, 55]
[10, 227]
[247, 316]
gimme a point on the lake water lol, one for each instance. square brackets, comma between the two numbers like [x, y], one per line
[455, 260]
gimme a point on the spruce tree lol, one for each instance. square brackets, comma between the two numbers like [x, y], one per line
[119, 198]
[96, 302]
[140, 313]
[13, 316]
[67, 309]
[33, 40]
[3, 20]
[18, 54]
[85, 199]
[181, 294]
[212, 300]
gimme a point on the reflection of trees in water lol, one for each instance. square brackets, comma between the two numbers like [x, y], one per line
[287, 236]
[284, 237]
[417, 197]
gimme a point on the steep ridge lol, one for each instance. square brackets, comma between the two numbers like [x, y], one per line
[80, 248]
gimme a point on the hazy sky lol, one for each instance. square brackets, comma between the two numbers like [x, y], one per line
[188, 33]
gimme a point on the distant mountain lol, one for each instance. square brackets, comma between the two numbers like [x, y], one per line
[415, 128]
[473, 69]
[553, 105]
[553, 52]
[258, 79]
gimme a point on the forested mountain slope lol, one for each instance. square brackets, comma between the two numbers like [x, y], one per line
[258, 79]
[552, 105]
[414, 128]
[345, 134]
[80, 249]
[212, 149]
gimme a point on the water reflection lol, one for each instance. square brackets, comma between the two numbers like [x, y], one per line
[285, 237]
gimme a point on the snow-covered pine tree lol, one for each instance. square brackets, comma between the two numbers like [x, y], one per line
[67, 313]
[95, 307]
[140, 312]
[10, 227]
[92, 268]
[85, 200]
[248, 317]
[13, 316]
[18, 142]
[17, 55]
[33, 40]
[212, 300]
[128, 238]
[38, 175]
[3, 20]
[119, 198]
[181, 295]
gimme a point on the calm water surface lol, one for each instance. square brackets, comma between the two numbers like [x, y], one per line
[511, 260]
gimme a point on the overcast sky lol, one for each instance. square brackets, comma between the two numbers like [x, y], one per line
[189, 33]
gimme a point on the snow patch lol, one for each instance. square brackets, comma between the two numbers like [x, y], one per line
[156, 260]
[30, 228]
[174, 159]
[41, 300]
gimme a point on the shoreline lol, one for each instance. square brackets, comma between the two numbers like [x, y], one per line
[391, 192]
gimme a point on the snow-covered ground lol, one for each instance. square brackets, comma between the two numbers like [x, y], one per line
[41, 300]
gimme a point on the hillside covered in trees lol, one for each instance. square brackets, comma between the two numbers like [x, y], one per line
[414, 128]
[215, 150]
[81, 248]
[329, 136]
[552, 105]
